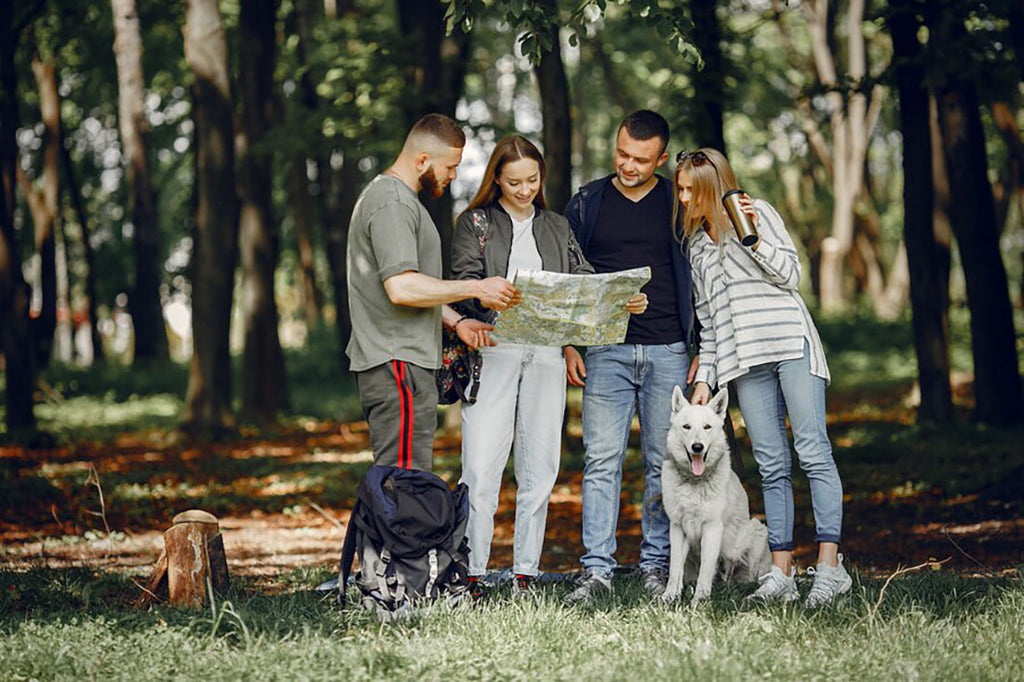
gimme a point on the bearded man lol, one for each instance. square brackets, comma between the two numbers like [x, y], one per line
[397, 299]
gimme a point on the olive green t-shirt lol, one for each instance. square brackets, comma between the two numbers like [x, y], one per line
[391, 233]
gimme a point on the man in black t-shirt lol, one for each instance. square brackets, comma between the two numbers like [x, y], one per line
[624, 221]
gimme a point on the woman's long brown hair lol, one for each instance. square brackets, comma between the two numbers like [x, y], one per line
[508, 149]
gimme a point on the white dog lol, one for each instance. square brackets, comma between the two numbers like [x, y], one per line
[706, 503]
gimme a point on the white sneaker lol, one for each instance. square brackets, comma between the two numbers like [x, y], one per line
[775, 586]
[829, 582]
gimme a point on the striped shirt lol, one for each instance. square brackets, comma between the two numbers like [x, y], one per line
[749, 305]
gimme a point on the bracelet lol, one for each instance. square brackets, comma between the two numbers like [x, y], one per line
[455, 326]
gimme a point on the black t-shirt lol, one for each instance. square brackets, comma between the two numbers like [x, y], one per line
[631, 234]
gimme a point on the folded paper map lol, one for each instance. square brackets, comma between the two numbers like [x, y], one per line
[582, 310]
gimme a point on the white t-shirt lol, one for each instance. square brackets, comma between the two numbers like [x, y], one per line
[524, 254]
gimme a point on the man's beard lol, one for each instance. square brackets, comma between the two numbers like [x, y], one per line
[431, 185]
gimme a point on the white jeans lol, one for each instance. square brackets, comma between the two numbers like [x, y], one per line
[520, 403]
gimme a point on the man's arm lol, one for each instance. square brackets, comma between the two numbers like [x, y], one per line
[417, 290]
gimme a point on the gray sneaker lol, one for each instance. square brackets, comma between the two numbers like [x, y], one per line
[829, 582]
[593, 587]
[775, 586]
[654, 581]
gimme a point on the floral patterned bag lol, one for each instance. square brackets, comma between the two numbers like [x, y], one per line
[459, 375]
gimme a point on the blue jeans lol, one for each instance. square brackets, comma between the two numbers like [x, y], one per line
[620, 379]
[766, 393]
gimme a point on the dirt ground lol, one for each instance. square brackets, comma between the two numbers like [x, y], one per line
[978, 534]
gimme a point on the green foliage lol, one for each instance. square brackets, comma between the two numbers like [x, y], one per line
[63, 624]
[537, 20]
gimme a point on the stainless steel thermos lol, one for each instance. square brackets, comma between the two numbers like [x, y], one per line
[741, 222]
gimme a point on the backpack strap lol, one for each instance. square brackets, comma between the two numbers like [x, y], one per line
[432, 556]
[348, 552]
[382, 575]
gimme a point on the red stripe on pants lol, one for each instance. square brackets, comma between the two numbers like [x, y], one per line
[405, 417]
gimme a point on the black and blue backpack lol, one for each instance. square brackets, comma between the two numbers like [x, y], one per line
[408, 528]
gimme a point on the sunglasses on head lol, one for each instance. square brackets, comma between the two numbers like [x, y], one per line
[697, 158]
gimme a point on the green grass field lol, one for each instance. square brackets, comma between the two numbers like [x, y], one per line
[75, 625]
[913, 493]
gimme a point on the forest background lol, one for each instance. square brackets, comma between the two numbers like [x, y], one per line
[178, 178]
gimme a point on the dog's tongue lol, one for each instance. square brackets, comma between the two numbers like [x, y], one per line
[697, 464]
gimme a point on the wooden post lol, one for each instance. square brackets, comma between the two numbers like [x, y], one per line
[193, 554]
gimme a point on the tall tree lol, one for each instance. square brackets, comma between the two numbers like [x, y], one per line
[144, 302]
[75, 195]
[553, 89]
[15, 296]
[852, 117]
[264, 384]
[44, 205]
[997, 387]
[928, 305]
[215, 240]
[301, 205]
[709, 82]
[436, 69]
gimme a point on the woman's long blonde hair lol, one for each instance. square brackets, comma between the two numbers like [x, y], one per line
[711, 177]
[508, 149]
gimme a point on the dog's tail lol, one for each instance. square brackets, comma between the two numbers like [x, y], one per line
[759, 557]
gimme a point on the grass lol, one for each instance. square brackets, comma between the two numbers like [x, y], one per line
[73, 624]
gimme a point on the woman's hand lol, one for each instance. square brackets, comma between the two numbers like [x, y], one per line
[474, 333]
[701, 394]
[637, 305]
[747, 206]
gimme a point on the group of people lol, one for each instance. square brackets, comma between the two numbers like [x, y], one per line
[714, 312]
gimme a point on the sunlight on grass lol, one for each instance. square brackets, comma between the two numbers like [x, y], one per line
[105, 415]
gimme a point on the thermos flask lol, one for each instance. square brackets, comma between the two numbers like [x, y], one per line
[741, 222]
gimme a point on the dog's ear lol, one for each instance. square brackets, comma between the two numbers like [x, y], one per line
[679, 400]
[720, 403]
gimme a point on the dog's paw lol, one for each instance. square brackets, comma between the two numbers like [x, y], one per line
[669, 596]
[700, 596]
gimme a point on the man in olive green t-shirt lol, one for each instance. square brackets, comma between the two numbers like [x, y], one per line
[397, 299]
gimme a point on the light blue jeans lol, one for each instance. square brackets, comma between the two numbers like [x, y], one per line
[766, 394]
[621, 379]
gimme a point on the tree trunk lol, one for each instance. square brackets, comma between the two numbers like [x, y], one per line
[709, 82]
[144, 303]
[436, 76]
[16, 340]
[997, 386]
[851, 123]
[44, 207]
[264, 384]
[90, 270]
[941, 226]
[927, 260]
[208, 400]
[557, 133]
[301, 206]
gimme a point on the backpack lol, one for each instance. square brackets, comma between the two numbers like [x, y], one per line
[408, 529]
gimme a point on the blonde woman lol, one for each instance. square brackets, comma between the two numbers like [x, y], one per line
[757, 332]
